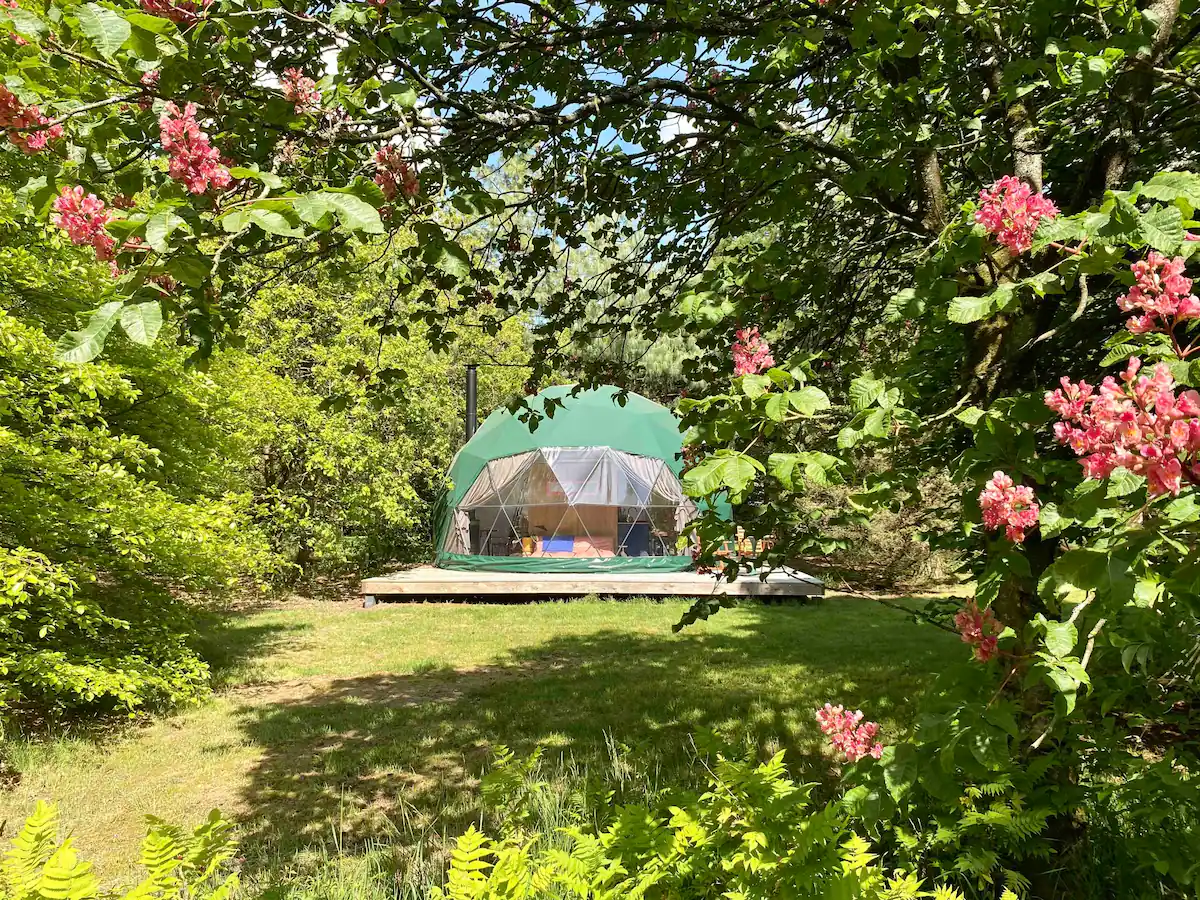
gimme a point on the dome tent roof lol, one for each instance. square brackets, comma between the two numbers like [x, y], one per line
[592, 418]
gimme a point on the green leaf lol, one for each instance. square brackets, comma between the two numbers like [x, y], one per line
[988, 746]
[876, 424]
[1051, 522]
[343, 12]
[1162, 228]
[754, 386]
[899, 769]
[400, 94]
[1060, 638]
[1044, 283]
[1124, 222]
[453, 260]
[38, 193]
[270, 179]
[1122, 482]
[274, 221]
[147, 22]
[87, 343]
[159, 227]
[809, 400]
[903, 304]
[107, 30]
[848, 437]
[971, 309]
[314, 211]
[354, 213]
[1183, 509]
[970, 415]
[142, 321]
[25, 22]
[192, 269]
[706, 308]
[864, 391]
[733, 471]
[782, 467]
[1059, 231]
[1171, 186]
[777, 407]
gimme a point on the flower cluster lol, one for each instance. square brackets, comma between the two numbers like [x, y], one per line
[852, 739]
[1011, 211]
[84, 217]
[1161, 294]
[751, 354]
[194, 161]
[301, 91]
[181, 12]
[26, 125]
[1008, 506]
[1138, 424]
[394, 174]
[979, 628]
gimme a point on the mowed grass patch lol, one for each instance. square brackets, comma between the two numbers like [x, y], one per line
[343, 726]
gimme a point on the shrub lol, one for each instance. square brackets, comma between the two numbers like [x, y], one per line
[752, 834]
[62, 648]
[103, 532]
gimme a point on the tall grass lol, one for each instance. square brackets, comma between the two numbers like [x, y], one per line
[404, 861]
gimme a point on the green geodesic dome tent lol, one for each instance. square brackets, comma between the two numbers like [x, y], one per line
[596, 487]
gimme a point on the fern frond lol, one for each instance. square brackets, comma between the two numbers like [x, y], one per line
[66, 877]
[903, 886]
[30, 850]
[469, 864]
[1015, 883]
[211, 845]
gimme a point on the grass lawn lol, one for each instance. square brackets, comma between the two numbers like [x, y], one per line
[339, 726]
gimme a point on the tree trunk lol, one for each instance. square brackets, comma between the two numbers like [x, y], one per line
[1131, 96]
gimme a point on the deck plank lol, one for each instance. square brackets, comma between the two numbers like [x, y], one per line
[432, 582]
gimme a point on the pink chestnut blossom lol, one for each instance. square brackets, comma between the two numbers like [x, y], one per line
[84, 217]
[1009, 506]
[1011, 211]
[301, 91]
[1161, 294]
[394, 174]
[194, 161]
[27, 127]
[181, 12]
[852, 739]
[979, 628]
[1139, 424]
[751, 353]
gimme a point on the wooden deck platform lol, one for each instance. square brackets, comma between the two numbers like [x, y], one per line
[433, 583]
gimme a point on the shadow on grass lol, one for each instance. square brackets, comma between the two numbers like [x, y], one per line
[398, 756]
[235, 649]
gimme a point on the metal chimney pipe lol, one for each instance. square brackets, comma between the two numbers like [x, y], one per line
[472, 415]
